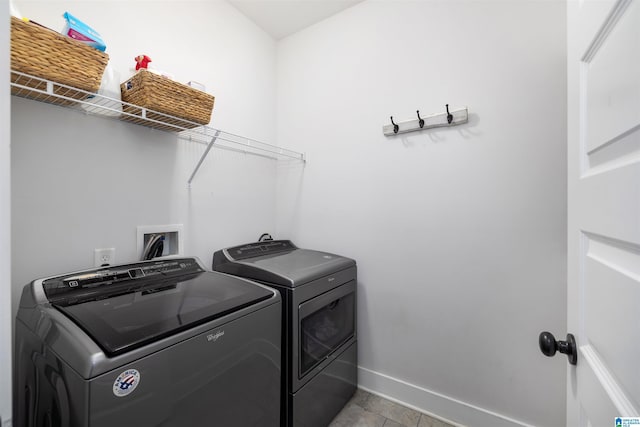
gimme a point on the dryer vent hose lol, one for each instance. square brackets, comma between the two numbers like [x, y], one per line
[154, 247]
[266, 237]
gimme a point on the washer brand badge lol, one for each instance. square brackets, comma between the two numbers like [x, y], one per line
[126, 382]
[214, 337]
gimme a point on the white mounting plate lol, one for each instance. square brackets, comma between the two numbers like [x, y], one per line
[460, 116]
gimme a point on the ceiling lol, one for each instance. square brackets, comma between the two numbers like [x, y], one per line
[281, 18]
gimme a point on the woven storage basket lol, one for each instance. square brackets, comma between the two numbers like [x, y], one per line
[44, 53]
[188, 107]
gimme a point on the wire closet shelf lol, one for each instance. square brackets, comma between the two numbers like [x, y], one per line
[28, 86]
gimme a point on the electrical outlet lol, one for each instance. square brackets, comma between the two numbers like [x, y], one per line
[105, 256]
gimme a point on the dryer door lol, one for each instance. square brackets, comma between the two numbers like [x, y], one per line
[326, 322]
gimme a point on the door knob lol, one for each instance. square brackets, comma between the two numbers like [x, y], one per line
[549, 346]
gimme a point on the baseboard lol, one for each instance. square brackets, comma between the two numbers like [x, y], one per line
[447, 409]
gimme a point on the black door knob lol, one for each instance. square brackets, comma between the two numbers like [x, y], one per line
[549, 346]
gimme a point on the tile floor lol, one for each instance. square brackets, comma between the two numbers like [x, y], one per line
[368, 410]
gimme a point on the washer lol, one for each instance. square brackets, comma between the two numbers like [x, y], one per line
[319, 323]
[156, 343]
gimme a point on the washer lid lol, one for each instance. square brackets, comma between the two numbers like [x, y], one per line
[153, 308]
[279, 262]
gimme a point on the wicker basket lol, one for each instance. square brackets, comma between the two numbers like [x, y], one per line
[181, 106]
[44, 53]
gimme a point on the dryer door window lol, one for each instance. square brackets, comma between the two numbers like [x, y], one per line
[326, 322]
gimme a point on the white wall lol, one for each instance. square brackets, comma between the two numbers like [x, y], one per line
[5, 224]
[459, 233]
[81, 182]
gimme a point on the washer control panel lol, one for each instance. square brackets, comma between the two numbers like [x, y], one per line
[251, 250]
[105, 278]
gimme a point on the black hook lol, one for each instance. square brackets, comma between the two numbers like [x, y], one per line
[420, 119]
[449, 115]
[395, 126]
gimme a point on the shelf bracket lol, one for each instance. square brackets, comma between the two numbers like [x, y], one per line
[204, 155]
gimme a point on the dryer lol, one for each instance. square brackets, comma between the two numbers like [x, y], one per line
[156, 343]
[319, 358]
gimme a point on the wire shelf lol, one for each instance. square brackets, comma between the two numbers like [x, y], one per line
[27, 86]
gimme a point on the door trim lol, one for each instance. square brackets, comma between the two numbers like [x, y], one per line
[609, 24]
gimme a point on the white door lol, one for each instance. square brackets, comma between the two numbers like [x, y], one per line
[604, 210]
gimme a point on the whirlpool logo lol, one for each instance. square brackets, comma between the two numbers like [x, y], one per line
[214, 337]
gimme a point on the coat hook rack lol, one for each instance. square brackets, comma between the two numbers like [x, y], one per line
[449, 118]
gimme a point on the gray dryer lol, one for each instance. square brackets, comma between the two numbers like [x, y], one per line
[320, 356]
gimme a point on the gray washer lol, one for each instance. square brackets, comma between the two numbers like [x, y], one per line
[157, 343]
